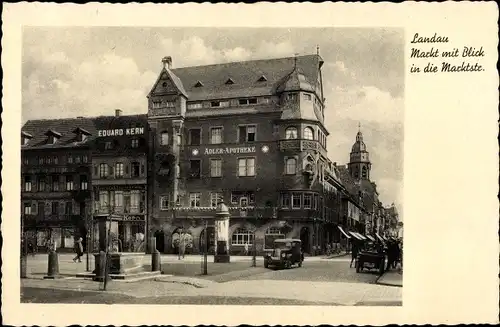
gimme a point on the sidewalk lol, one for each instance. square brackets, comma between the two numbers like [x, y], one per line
[392, 277]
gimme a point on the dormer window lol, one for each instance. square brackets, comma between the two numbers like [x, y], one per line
[196, 105]
[219, 104]
[245, 102]
[53, 136]
[198, 84]
[229, 81]
[25, 138]
[156, 104]
[81, 134]
[262, 79]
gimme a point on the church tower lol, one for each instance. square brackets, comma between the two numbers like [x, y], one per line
[359, 163]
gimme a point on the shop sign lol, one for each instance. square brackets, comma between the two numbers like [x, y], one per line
[120, 131]
[228, 150]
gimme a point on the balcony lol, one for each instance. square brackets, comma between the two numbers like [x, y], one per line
[120, 211]
[300, 145]
[51, 218]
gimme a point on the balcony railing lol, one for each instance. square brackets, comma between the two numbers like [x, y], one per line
[120, 210]
[50, 218]
[300, 145]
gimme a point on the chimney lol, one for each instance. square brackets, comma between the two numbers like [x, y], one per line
[167, 62]
[118, 112]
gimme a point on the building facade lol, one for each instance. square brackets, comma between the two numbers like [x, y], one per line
[249, 133]
[56, 181]
[119, 178]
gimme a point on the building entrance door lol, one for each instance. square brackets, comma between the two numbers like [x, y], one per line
[304, 237]
[160, 241]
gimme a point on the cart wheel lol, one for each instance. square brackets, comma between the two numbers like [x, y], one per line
[266, 263]
[300, 263]
[358, 267]
[381, 269]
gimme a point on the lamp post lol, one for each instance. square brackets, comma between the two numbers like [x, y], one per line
[205, 250]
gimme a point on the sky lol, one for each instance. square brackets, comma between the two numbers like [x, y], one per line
[79, 71]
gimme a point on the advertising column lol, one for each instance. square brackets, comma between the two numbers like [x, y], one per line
[222, 234]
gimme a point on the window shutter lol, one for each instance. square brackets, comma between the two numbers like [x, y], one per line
[125, 168]
[111, 170]
[96, 170]
[142, 168]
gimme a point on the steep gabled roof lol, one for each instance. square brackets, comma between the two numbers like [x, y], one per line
[174, 78]
[245, 75]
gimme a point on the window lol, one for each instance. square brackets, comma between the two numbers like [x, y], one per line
[164, 202]
[170, 104]
[243, 202]
[41, 184]
[247, 133]
[195, 136]
[292, 97]
[84, 184]
[49, 160]
[291, 166]
[27, 183]
[194, 200]
[364, 172]
[27, 208]
[216, 135]
[307, 97]
[262, 79]
[103, 170]
[215, 198]
[195, 168]
[315, 203]
[55, 183]
[135, 169]
[55, 208]
[156, 104]
[118, 201]
[68, 209]
[108, 145]
[104, 201]
[215, 167]
[308, 133]
[69, 183]
[164, 138]
[40, 160]
[56, 160]
[119, 170]
[291, 133]
[296, 200]
[246, 167]
[135, 143]
[242, 236]
[307, 201]
[26, 160]
[219, 104]
[70, 159]
[244, 102]
[247, 196]
[196, 105]
[198, 84]
[285, 200]
[77, 159]
[229, 81]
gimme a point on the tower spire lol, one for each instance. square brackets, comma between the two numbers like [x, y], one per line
[317, 49]
[359, 126]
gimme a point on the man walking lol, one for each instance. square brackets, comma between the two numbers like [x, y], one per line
[354, 253]
[246, 248]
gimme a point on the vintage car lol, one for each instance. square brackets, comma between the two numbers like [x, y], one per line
[286, 253]
[371, 259]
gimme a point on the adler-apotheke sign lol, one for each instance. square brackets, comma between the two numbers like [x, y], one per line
[227, 150]
[120, 131]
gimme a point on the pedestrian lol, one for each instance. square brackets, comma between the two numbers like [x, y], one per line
[78, 250]
[354, 254]
[390, 254]
[182, 245]
[246, 248]
[328, 249]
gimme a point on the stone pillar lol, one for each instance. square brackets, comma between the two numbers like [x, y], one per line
[222, 234]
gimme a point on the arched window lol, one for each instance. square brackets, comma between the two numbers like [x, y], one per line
[272, 233]
[308, 133]
[164, 138]
[291, 133]
[242, 236]
[364, 172]
[291, 166]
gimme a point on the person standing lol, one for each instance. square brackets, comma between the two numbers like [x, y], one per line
[246, 248]
[354, 253]
[78, 250]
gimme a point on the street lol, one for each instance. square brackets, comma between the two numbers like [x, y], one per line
[318, 282]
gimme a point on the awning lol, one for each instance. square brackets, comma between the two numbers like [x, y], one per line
[361, 236]
[356, 236]
[379, 237]
[371, 238]
[346, 235]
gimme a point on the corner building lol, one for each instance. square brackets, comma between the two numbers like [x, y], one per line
[251, 134]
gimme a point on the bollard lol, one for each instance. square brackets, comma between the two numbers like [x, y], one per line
[100, 267]
[155, 261]
[53, 265]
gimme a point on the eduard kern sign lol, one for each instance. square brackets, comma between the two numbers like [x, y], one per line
[121, 131]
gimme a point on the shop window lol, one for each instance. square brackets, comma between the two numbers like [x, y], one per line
[242, 236]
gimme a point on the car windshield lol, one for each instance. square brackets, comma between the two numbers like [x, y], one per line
[282, 245]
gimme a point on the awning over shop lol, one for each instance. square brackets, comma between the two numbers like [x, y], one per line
[379, 237]
[371, 238]
[356, 236]
[346, 235]
[361, 236]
